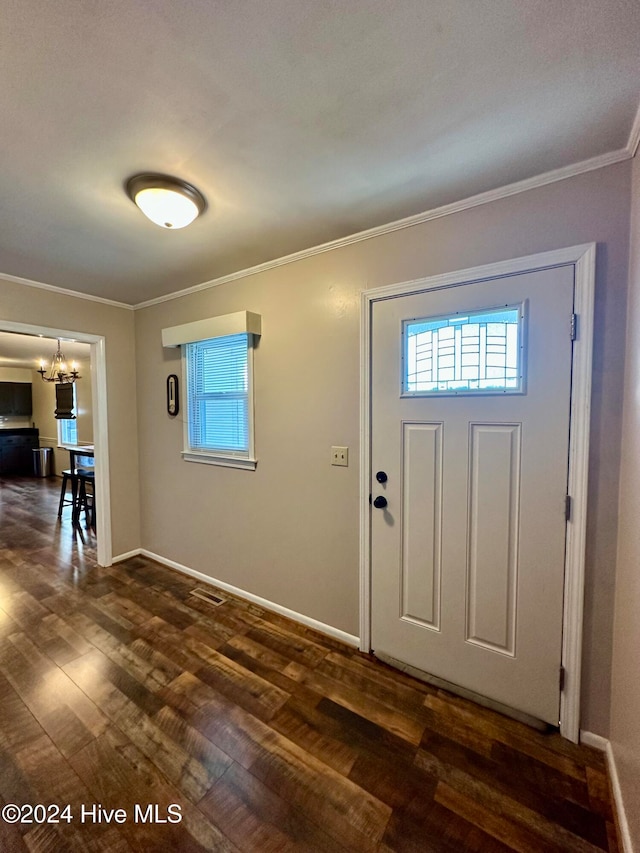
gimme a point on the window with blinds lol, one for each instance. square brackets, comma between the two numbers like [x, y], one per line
[68, 428]
[219, 409]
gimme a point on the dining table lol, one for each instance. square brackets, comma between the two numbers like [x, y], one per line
[76, 450]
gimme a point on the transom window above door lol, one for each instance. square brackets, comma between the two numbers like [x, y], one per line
[480, 352]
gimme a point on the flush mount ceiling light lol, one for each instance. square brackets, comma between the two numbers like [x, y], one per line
[169, 202]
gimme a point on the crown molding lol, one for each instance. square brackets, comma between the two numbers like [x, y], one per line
[561, 174]
[599, 162]
[634, 136]
[63, 291]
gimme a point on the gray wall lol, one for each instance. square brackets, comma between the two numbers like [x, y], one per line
[625, 695]
[289, 530]
[30, 305]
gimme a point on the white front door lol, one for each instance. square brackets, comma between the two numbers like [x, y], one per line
[470, 408]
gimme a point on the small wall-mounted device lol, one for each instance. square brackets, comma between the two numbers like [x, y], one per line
[173, 405]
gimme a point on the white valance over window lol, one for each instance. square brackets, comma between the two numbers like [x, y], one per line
[239, 323]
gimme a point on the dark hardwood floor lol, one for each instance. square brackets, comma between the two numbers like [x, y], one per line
[120, 690]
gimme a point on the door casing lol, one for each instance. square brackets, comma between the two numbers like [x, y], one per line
[582, 258]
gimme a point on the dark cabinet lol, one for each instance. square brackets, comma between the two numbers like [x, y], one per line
[16, 451]
[6, 398]
[15, 398]
[22, 401]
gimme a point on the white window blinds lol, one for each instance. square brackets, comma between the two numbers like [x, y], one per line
[217, 377]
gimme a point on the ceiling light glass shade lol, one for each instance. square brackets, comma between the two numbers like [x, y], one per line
[168, 202]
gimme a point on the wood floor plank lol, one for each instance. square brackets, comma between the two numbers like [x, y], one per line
[515, 836]
[18, 726]
[508, 732]
[259, 665]
[507, 807]
[374, 684]
[212, 636]
[15, 786]
[240, 685]
[288, 644]
[59, 684]
[599, 793]
[11, 838]
[118, 776]
[103, 683]
[258, 820]
[96, 669]
[208, 755]
[171, 642]
[355, 729]
[559, 799]
[438, 830]
[345, 810]
[396, 720]
[538, 773]
[330, 799]
[41, 762]
[300, 729]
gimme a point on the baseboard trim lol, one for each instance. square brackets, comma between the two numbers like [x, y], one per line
[604, 745]
[329, 630]
[593, 740]
[623, 823]
[127, 555]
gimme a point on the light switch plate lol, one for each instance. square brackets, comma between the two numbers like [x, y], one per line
[340, 456]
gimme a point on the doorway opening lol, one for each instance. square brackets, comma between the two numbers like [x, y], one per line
[98, 384]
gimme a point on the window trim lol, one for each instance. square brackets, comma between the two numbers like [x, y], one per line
[245, 460]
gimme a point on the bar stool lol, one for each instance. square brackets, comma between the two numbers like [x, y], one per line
[86, 499]
[70, 476]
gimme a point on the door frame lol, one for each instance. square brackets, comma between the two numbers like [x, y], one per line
[582, 258]
[104, 555]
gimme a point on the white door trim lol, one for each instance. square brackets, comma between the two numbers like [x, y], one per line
[100, 425]
[583, 259]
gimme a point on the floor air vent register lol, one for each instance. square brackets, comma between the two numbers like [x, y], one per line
[205, 595]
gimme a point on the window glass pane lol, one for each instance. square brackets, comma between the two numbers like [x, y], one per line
[68, 428]
[479, 352]
[217, 391]
[69, 432]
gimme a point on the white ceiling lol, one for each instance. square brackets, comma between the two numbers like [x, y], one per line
[301, 121]
[27, 350]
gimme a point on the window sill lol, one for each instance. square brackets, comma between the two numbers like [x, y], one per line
[223, 461]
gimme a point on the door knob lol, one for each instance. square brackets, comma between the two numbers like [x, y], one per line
[381, 477]
[380, 502]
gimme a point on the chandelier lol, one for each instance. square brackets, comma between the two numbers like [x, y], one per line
[58, 369]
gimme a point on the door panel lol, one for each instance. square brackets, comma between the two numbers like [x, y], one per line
[422, 528]
[494, 501]
[468, 556]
